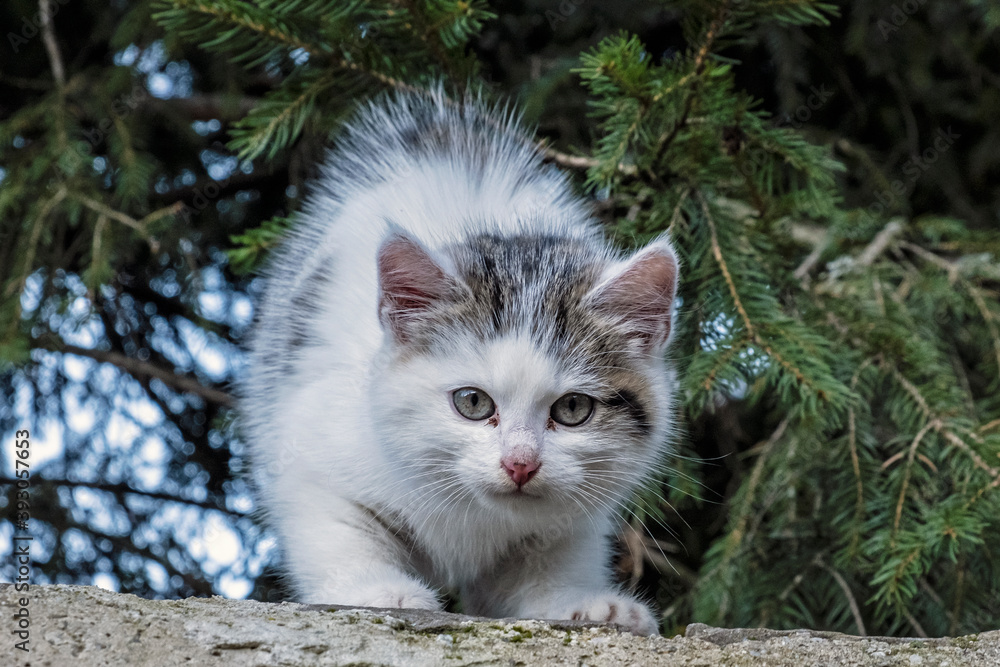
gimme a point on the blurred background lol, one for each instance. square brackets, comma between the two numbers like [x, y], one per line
[132, 220]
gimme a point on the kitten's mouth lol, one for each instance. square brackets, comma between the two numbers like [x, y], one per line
[514, 494]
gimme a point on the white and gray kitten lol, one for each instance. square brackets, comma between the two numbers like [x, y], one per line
[455, 382]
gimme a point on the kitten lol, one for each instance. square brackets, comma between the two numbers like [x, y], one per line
[455, 383]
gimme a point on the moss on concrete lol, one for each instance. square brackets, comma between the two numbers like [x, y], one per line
[88, 626]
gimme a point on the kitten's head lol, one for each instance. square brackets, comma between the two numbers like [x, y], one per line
[519, 371]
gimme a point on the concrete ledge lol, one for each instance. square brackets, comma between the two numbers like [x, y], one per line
[81, 625]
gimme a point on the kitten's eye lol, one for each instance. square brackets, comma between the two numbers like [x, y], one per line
[472, 403]
[572, 409]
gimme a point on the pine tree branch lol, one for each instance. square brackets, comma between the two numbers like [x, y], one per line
[941, 262]
[145, 369]
[796, 581]
[206, 106]
[988, 318]
[429, 35]
[812, 259]
[721, 261]
[906, 480]
[976, 293]
[121, 489]
[51, 45]
[736, 535]
[224, 17]
[879, 244]
[32, 246]
[938, 424]
[676, 216]
[914, 623]
[722, 361]
[579, 161]
[953, 617]
[385, 79]
[855, 608]
[752, 332]
[141, 226]
[852, 441]
[722, 13]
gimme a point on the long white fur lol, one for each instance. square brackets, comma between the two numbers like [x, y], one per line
[371, 505]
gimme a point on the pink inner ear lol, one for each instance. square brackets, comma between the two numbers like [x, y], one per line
[410, 281]
[642, 294]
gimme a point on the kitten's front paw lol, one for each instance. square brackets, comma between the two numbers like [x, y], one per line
[613, 607]
[400, 597]
[400, 592]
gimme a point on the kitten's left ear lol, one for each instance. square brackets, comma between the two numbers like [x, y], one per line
[639, 293]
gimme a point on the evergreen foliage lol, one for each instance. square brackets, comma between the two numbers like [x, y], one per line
[857, 342]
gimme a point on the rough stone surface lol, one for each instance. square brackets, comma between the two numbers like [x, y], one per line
[82, 626]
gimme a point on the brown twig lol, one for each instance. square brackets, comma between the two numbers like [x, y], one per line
[855, 608]
[939, 427]
[722, 14]
[145, 369]
[122, 488]
[51, 45]
[906, 479]
[578, 161]
[752, 332]
[881, 241]
[812, 259]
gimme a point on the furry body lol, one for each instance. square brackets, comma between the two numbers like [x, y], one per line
[438, 252]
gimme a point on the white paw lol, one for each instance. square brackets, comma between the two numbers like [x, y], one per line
[613, 607]
[412, 596]
[392, 593]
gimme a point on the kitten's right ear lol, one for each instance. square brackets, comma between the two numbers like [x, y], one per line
[640, 292]
[410, 282]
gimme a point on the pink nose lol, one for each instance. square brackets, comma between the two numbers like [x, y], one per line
[520, 472]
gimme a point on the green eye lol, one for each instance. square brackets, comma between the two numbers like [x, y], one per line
[472, 403]
[572, 409]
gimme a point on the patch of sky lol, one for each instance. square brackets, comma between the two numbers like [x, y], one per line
[246, 196]
[127, 56]
[131, 441]
[89, 507]
[157, 576]
[107, 581]
[206, 127]
[164, 78]
[185, 178]
[46, 445]
[79, 547]
[219, 165]
[150, 464]
[216, 541]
